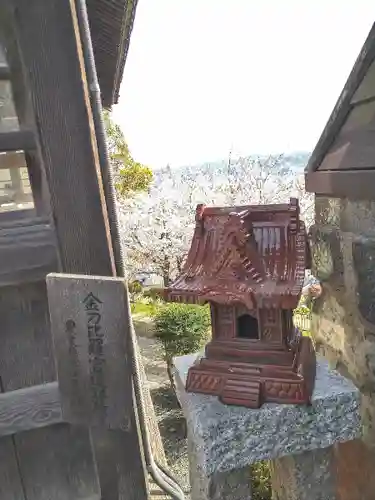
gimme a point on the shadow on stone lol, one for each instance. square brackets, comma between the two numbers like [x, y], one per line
[172, 427]
[164, 397]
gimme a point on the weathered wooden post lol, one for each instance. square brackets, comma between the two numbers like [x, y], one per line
[90, 325]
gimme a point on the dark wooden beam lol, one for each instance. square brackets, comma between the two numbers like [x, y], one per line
[48, 37]
[16, 141]
[28, 252]
[29, 408]
[10, 217]
[14, 221]
[354, 184]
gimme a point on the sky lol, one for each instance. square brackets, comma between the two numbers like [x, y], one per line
[204, 77]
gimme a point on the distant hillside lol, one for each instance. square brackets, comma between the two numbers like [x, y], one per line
[293, 162]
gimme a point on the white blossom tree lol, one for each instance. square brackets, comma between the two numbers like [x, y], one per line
[157, 228]
[256, 180]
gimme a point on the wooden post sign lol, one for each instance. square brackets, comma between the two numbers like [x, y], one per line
[90, 325]
[91, 334]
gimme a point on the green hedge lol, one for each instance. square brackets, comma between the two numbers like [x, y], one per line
[182, 328]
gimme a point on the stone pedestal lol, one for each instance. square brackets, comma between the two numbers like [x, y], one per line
[225, 440]
[310, 475]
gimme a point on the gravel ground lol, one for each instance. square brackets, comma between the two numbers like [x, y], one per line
[170, 418]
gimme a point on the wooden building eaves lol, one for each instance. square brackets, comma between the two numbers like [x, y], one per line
[111, 24]
[354, 178]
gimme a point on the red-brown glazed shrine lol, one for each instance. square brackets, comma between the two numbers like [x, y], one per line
[249, 264]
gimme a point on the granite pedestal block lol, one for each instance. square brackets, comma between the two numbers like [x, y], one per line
[310, 475]
[225, 440]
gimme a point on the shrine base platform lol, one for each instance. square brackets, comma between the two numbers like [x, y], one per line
[301, 441]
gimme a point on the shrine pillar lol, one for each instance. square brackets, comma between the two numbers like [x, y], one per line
[302, 442]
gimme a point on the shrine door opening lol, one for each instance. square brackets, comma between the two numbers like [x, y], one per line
[247, 327]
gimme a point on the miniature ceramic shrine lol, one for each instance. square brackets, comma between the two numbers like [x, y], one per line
[249, 264]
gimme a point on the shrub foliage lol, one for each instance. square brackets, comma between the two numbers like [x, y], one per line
[135, 287]
[182, 329]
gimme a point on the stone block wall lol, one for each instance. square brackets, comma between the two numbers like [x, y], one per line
[343, 322]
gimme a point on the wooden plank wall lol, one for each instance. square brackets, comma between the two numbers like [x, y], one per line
[29, 408]
[28, 251]
[10, 480]
[56, 462]
[53, 462]
[49, 40]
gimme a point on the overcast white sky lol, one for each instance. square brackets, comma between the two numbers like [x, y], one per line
[203, 76]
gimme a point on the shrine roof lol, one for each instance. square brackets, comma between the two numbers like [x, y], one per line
[253, 254]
